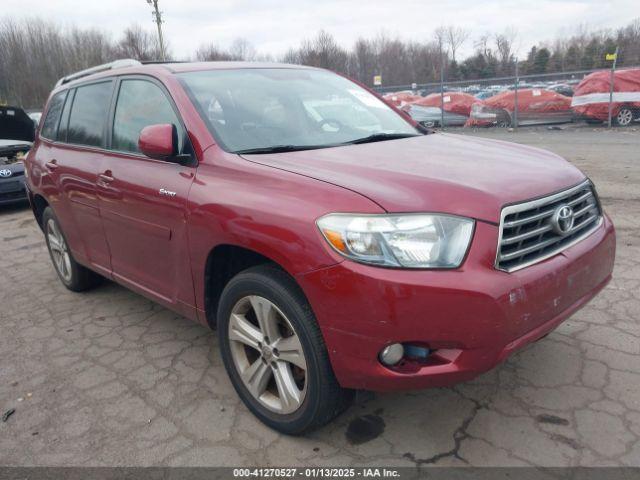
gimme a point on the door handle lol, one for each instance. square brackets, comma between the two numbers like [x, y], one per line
[106, 177]
[51, 165]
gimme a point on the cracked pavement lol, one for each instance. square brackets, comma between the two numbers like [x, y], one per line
[107, 378]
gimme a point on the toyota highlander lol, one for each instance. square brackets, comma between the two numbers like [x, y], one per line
[332, 242]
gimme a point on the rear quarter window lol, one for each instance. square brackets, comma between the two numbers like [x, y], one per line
[89, 114]
[50, 125]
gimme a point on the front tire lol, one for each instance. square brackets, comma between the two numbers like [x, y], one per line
[72, 275]
[274, 353]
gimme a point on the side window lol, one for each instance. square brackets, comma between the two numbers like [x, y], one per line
[140, 104]
[64, 118]
[88, 114]
[50, 125]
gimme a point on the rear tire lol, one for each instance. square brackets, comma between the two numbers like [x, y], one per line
[72, 275]
[503, 120]
[264, 302]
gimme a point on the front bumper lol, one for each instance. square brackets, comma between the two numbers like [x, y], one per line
[475, 316]
[12, 190]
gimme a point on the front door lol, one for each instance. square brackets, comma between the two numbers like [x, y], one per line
[143, 201]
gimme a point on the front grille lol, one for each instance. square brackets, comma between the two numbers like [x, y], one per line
[14, 174]
[4, 196]
[7, 187]
[527, 233]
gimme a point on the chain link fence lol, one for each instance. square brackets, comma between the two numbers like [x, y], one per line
[609, 97]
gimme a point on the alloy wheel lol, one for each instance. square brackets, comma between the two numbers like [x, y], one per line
[59, 250]
[268, 354]
[625, 117]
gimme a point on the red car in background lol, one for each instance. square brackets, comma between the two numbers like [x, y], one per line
[535, 107]
[454, 102]
[591, 97]
[400, 99]
[333, 244]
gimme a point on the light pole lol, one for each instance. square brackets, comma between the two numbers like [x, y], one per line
[157, 17]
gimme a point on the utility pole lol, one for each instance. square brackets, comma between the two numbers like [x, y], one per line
[441, 85]
[157, 18]
[613, 57]
[515, 110]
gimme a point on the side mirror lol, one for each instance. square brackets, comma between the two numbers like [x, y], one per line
[159, 141]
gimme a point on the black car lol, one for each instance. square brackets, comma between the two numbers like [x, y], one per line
[562, 89]
[16, 135]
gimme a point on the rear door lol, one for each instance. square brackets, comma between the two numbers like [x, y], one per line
[143, 201]
[45, 155]
[76, 159]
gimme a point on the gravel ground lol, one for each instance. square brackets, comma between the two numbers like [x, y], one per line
[108, 378]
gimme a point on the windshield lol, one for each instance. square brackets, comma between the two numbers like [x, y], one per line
[254, 110]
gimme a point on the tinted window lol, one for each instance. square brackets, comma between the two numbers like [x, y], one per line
[64, 118]
[88, 114]
[140, 104]
[50, 125]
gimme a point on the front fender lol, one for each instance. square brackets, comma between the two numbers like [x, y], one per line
[265, 210]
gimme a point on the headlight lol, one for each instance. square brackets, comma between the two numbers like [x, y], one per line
[409, 240]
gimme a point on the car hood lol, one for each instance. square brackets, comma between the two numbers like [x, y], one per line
[9, 144]
[15, 124]
[454, 174]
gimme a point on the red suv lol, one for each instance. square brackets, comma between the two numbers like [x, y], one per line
[333, 243]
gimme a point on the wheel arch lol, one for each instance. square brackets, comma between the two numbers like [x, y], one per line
[38, 205]
[504, 115]
[224, 261]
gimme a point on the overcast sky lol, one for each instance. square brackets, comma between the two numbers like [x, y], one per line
[273, 26]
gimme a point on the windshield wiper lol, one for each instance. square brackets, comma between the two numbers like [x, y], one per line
[279, 149]
[377, 137]
[381, 137]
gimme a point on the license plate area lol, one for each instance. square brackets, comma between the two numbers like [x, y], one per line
[6, 187]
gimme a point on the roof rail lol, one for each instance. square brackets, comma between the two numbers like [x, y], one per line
[126, 62]
[160, 62]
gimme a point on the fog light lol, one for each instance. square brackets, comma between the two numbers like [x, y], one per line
[392, 354]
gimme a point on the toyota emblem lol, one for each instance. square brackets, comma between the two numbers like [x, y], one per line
[562, 220]
[5, 173]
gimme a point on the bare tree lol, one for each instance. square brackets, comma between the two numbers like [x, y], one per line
[323, 51]
[505, 49]
[242, 49]
[291, 56]
[35, 53]
[212, 53]
[363, 61]
[482, 44]
[393, 60]
[440, 36]
[454, 37]
[139, 44]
